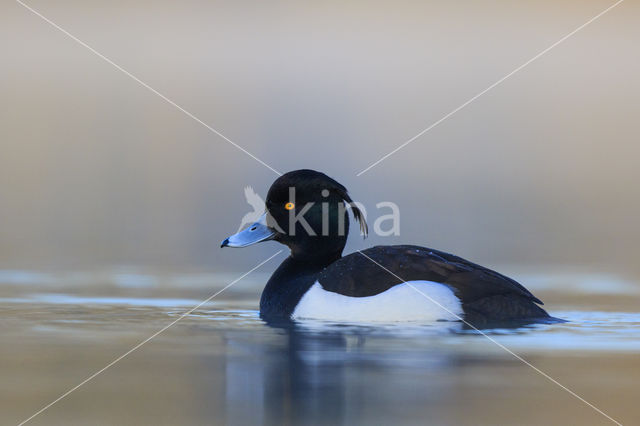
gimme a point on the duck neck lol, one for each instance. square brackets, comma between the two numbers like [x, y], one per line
[319, 249]
[319, 256]
[291, 280]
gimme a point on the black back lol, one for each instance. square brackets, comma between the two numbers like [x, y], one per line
[485, 294]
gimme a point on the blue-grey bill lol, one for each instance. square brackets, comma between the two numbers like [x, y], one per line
[256, 232]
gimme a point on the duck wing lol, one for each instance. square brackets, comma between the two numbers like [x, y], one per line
[483, 292]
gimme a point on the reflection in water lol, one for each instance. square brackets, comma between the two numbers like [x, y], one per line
[328, 375]
[317, 373]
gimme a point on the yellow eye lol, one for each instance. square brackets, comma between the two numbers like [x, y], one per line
[289, 205]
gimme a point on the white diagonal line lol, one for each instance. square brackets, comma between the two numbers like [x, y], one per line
[490, 87]
[518, 357]
[64, 395]
[142, 83]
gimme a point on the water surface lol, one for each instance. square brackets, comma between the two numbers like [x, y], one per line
[222, 365]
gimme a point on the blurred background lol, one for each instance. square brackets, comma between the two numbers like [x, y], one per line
[98, 172]
[113, 204]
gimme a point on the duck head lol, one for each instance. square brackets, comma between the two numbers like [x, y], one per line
[306, 211]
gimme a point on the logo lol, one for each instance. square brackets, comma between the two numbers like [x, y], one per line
[297, 214]
[257, 204]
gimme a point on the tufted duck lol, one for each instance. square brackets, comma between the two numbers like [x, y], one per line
[306, 211]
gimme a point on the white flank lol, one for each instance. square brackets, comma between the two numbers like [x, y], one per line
[399, 303]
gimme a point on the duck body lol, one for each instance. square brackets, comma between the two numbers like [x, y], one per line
[397, 283]
[382, 283]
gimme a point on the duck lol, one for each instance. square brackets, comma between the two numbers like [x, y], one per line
[307, 211]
